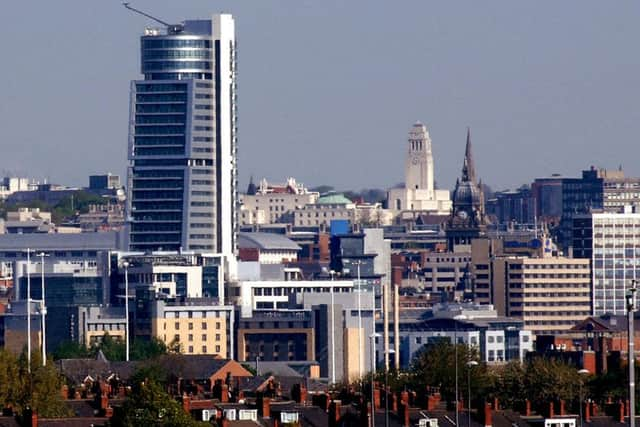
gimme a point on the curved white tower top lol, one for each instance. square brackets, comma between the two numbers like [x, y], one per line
[419, 193]
[419, 164]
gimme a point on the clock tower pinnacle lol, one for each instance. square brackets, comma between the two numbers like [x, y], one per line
[419, 163]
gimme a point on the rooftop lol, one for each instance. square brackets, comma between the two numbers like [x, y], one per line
[52, 241]
[266, 241]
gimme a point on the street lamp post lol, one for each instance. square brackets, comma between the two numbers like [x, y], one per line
[360, 343]
[43, 310]
[125, 264]
[631, 353]
[470, 365]
[29, 310]
[373, 337]
[455, 349]
[580, 398]
[386, 390]
[333, 332]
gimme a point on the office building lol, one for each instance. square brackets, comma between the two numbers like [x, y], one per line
[198, 325]
[612, 242]
[182, 139]
[497, 339]
[597, 190]
[549, 294]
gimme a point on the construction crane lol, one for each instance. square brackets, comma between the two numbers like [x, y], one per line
[133, 9]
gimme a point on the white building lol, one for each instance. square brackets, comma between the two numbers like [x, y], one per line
[324, 210]
[275, 294]
[273, 203]
[419, 193]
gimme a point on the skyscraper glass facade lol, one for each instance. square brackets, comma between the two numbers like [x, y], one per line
[182, 139]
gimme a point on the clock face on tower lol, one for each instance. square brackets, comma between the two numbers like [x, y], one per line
[462, 214]
[415, 160]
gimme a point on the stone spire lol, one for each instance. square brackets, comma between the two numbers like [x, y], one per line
[251, 189]
[468, 167]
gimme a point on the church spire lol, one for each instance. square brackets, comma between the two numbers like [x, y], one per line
[468, 167]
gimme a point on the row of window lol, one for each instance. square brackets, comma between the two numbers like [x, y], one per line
[176, 54]
[152, 42]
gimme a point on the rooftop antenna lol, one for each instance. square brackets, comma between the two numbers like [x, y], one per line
[133, 9]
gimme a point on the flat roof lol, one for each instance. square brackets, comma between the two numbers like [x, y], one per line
[107, 240]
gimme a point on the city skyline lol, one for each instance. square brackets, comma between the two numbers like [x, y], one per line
[560, 99]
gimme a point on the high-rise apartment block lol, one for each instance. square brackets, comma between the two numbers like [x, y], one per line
[182, 139]
[612, 242]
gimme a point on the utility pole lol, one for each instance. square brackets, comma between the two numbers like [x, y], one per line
[29, 310]
[43, 309]
[631, 353]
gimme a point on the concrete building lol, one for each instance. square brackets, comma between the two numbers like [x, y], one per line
[611, 241]
[276, 294]
[174, 275]
[11, 184]
[267, 248]
[270, 203]
[28, 220]
[419, 192]
[549, 294]
[326, 209]
[96, 321]
[352, 327]
[446, 273]
[276, 335]
[182, 139]
[498, 339]
[198, 325]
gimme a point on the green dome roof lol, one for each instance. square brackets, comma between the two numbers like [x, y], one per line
[333, 199]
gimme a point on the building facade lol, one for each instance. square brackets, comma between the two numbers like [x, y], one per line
[182, 139]
[612, 242]
[270, 203]
[549, 294]
[198, 325]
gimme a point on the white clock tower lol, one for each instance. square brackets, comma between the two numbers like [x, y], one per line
[419, 166]
[419, 193]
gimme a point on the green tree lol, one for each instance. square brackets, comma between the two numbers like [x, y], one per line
[435, 366]
[509, 384]
[9, 379]
[39, 390]
[71, 350]
[549, 379]
[150, 405]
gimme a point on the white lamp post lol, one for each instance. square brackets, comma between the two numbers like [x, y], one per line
[631, 301]
[43, 310]
[333, 332]
[455, 347]
[373, 337]
[386, 391]
[29, 309]
[125, 264]
[581, 372]
[470, 365]
[360, 343]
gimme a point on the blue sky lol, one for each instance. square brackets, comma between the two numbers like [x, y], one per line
[329, 89]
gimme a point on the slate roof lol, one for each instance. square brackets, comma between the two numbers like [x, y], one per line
[266, 241]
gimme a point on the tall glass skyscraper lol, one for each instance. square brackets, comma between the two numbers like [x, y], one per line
[182, 177]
